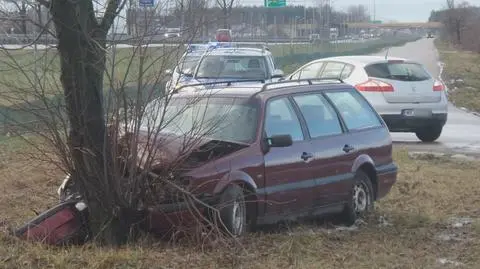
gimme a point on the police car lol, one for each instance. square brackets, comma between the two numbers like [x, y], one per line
[182, 73]
[227, 61]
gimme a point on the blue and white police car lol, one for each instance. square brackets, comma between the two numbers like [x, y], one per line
[219, 61]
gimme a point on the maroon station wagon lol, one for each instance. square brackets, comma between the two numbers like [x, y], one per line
[295, 149]
[290, 149]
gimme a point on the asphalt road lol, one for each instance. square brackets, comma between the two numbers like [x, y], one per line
[461, 134]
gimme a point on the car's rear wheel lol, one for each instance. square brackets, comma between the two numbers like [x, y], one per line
[361, 199]
[233, 210]
[429, 134]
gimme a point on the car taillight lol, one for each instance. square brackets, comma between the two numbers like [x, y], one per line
[372, 85]
[438, 86]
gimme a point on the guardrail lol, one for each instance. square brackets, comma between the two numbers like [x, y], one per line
[152, 39]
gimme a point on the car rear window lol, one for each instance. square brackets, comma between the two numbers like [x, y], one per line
[397, 71]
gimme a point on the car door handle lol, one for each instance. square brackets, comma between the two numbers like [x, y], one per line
[305, 156]
[348, 148]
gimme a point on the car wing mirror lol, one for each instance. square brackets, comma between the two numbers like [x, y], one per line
[280, 141]
[278, 73]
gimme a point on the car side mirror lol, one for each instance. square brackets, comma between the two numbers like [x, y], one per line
[187, 72]
[169, 72]
[278, 73]
[280, 141]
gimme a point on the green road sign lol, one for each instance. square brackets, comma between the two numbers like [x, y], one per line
[275, 3]
[377, 22]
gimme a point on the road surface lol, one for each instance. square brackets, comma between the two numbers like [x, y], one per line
[461, 134]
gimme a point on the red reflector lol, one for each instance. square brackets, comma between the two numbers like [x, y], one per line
[374, 86]
[438, 86]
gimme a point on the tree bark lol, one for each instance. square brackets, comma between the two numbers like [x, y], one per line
[82, 49]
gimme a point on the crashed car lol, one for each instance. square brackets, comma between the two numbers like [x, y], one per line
[278, 151]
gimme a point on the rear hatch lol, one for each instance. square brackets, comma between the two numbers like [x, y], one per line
[410, 81]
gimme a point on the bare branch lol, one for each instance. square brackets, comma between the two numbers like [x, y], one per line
[113, 8]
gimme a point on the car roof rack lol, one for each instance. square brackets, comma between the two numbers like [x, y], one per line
[228, 82]
[309, 80]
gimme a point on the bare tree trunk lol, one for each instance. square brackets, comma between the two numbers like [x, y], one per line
[82, 49]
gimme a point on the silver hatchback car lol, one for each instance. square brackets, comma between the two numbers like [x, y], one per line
[402, 91]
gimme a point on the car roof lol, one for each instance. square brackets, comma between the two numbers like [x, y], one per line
[363, 60]
[249, 89]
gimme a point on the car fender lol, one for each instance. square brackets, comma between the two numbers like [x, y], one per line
[361, 160]
[238, 177]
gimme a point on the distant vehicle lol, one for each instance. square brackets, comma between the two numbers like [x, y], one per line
[333, 33]
[402, 91]
[172, 32]
[268, 142]
[429, 35]
[231, 62]
[314, 38]
[223, 35]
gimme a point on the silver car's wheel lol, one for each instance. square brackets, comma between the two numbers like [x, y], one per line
[429, 134]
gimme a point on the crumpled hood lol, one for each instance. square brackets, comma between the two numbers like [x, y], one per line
[168, 150]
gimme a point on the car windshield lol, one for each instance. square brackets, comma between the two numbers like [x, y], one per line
[225, 119]
[227, 66]
[398, 71]
[188, 63]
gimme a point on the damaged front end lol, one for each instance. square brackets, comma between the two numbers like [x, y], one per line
[167, 207]
[63, 224]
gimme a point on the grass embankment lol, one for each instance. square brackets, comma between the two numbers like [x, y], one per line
[461, 74]
[417, 232]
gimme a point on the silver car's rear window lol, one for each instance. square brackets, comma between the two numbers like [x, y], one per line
[397, 71]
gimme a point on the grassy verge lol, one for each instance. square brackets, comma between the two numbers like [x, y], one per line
[417, 232]
[461, 74]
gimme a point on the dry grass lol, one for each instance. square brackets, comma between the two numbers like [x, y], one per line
[462, 75]
[418, 209]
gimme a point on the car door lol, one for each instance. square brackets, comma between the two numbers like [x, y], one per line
[362, 124]
[329, 166]
[287, 177]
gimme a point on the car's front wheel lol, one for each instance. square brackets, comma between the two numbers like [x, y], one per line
[361, 199]
[233, 211]
[429, 134]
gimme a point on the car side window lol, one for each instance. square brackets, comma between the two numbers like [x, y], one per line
[354, 109]
[319, 115]
[281, 119]
[332, 70]
[347, 71]
[311, 71]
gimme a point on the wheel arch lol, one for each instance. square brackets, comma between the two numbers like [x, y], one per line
[248, 186]
[365, 164]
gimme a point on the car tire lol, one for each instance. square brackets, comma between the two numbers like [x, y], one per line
[361, 199]
[233, 211]
[429, 134]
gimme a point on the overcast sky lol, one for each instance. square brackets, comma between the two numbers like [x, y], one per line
[398, 10]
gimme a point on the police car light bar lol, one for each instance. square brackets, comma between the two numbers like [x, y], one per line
[215, 45]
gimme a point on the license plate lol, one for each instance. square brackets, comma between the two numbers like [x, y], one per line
[421, 113]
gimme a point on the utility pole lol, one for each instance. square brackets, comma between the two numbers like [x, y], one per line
[374, 7]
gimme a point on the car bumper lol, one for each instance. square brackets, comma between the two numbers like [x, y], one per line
[167, 218]
[402, 123]
[386, 178]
